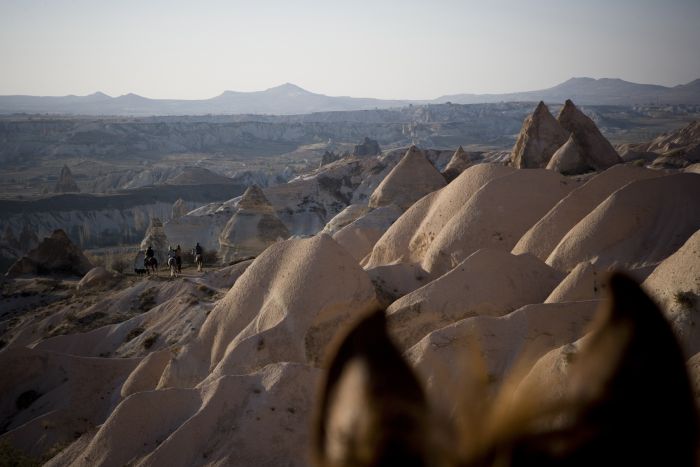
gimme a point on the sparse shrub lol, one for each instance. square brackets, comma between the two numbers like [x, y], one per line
[57, 448]
[206, 290]
[150, 340]
[119, 265]
[685, 299]
[134, 333]
[117, 261]
[147, 299]
[12, 457]
[91, 318]
[96, 260]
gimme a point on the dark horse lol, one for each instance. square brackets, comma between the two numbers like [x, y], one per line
[151, 265]
[625, 399]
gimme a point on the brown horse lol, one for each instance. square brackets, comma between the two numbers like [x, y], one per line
[151, 265]
[627, 400]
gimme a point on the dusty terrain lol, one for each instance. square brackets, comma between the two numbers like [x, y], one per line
[222, 366]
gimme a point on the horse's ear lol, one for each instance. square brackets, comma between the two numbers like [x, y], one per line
[636, 402]
[373, 411]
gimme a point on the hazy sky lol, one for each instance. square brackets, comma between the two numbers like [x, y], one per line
[390, 49]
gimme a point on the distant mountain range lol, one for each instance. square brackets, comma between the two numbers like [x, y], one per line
[289, 99]
[590, 91]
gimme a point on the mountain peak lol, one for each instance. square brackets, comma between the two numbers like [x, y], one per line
[98, 96]
[289, 89]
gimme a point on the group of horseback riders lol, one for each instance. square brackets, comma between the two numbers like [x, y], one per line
[150, 262]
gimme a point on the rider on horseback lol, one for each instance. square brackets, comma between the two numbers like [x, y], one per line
[172, 261]
[149, 260]
[178, 258]
[198, 256]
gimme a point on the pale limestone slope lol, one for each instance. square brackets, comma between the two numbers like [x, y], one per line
[544, 236]
[503, 341]
[411, 179]
[409, 237]
[254, 227]
[496, 216]
[254, 419]
[73, 395]
[638, 225]
[489, 282]
[360, 236]
[287, 306]
[540, 136]
[675, 286]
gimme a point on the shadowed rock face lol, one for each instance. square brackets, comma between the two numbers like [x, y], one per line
[328, 157]
[27, 239]
[368, 147]
[460, 161]
[540, 136]
[596, 149]
[637, 226]
[54, 255]
[675, 149]
[254, 227]
[66, 184]
[569, 159]
[156, 239]
[179, 208]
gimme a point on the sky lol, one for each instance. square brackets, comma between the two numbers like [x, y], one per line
[399, 49]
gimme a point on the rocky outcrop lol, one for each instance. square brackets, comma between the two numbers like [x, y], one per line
[359, 236]
[596, 150]
[540, 136]
[460, 161]
[408, 239]
[328, 157]
[496, 216]
[198, 176]
[674, 150]
[96, 278]
[368, 147]
[254, 227]
[54, 255]
[287, 307]
[66, 183]
[411, 179]
[489, 282]
[156, 239]
[687, 136]
[639, 225]
[179, 209]
[347, 216]
[569, 159]
[544, 236]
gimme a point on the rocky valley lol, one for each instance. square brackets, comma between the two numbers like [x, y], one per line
[492, 226]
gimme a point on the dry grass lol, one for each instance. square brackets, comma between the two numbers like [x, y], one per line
[686, 299]
[116, 260]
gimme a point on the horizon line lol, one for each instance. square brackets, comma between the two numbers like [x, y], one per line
[287, 83]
